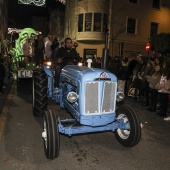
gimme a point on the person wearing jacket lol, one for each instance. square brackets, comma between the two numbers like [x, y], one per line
[153, 80]
[66, 55]
[123, 75]
[164, 90]
[147, 71]
[47, 47]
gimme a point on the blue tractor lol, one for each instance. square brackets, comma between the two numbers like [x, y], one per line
[90, 96]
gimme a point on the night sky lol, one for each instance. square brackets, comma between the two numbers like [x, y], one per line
[21, 15]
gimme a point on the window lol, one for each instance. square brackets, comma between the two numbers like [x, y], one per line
[156, 4]
[88, 21]
[133, 1]
[80, 23]
[131, 25]
[92, 22]
[97, 21]
[154, 28]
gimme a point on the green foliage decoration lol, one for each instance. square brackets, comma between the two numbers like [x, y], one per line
[17, 51]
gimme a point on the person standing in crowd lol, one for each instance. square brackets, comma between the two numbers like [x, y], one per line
[164, 90]
[96, 62]
[145, 85]
[131, 67]
[54, 47]
[153, 80]
[140, 63]
[123, 75]
[131, 64]
[2, 74]
[66, 55]
[39, 50]
[26, 49]
[114, 65]
[47, 45]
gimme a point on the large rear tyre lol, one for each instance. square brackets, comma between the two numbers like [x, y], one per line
[39, 92]
[131, 137]
[51, 135]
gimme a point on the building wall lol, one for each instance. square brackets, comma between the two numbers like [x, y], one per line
[3, 24]
[118, 12]
[3, 18]
[145, 14]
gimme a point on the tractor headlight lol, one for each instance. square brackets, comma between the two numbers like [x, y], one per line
[80, 64]
[48, 64]
[120, 96]
[72, 97]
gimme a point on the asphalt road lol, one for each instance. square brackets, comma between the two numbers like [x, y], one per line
[21, 144]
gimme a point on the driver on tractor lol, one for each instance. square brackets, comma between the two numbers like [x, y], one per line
[66, 55]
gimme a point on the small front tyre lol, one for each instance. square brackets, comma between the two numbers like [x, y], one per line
[130, 137]
[51, 135]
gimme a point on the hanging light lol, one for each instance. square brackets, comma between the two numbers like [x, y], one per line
[62, 1]
[34, 2]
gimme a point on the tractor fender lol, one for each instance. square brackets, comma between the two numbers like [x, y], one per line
[48, 71]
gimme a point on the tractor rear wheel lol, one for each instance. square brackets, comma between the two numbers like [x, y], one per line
[39, 92]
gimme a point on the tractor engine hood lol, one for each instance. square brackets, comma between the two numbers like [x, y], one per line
[86, 74]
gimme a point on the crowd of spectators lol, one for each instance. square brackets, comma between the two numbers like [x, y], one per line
[145, 79]
[45, 48]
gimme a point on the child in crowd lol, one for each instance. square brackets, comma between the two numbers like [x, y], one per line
[136, 85]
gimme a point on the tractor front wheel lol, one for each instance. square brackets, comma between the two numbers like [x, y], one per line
[51, 135]
[131, 136]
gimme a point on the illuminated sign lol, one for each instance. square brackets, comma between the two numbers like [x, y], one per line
[148, 47]
[16, 30]
[33, 2]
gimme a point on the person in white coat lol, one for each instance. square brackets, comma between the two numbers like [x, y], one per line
[47, 45]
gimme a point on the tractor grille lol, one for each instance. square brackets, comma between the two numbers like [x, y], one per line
[93, 99]
[108, 104]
